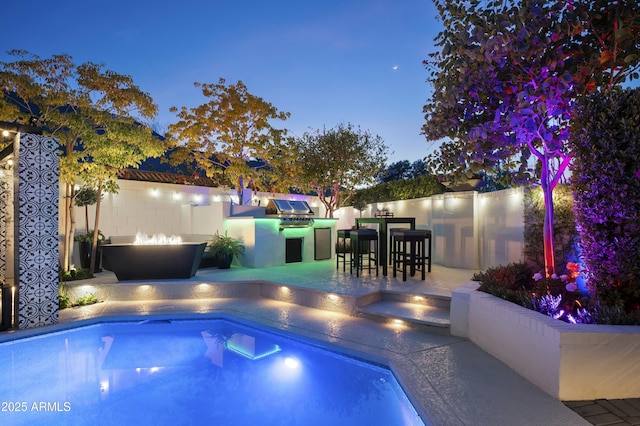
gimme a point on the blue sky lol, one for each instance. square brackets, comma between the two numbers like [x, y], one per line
[325, 62]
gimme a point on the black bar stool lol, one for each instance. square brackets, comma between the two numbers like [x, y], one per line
[361, 241]
[410, 250]
[344, 235]
[391, 248]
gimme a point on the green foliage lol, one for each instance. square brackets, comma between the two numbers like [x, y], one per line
[223, 245]
[63, 299]
[606, 184]
[507, 78]
[65, 302]
[517, 283]
[418, 187]
[97, 115]
[88, 299]
[231, 129]
[501, 87]
[335, 162]
[74, 274]
[494, 182]
[88, 238]
[507, 75]
[565, 234]
[513, 282]
[616, 314]
[86, 196]
[402, 170]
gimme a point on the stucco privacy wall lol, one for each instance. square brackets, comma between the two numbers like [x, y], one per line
[470, 230]
[161, 208]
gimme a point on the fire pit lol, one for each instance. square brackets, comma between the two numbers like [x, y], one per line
[157, 257]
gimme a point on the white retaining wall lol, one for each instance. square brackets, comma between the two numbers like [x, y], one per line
[569, 362]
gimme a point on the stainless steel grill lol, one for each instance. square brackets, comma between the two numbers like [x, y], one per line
[292, 214]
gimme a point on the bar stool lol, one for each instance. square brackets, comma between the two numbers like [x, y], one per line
[361, 240]
[341, 248]
[391, 248]
[410, 250]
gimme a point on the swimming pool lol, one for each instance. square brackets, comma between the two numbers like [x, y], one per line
[186, 372]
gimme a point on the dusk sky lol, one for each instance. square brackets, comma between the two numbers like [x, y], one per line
[326, 62]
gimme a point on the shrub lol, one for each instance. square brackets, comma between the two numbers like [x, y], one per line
[606, 186]
[513, 282]
[74, 274]
[405, 189]
[556, 296]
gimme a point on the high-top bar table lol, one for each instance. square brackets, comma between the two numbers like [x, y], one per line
[383, 230]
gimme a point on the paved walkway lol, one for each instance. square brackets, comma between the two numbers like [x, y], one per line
[449, 379]
[619, 412]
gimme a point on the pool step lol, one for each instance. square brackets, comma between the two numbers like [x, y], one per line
[431, 313]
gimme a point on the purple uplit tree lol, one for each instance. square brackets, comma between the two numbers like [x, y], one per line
[505, 85]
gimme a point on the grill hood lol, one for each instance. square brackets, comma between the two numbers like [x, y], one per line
[292, 214]
[288, 207]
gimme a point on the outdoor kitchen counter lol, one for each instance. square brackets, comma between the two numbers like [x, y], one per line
[266, 242]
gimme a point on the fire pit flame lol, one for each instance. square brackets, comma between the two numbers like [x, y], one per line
[156, 239]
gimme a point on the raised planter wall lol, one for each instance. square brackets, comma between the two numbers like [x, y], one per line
[569, 362]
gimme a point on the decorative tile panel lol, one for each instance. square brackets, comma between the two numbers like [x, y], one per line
[5, 193]
[37, 230]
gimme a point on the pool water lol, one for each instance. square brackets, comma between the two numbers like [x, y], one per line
[214, 372]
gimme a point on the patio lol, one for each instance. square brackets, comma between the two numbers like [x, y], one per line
[449, 379]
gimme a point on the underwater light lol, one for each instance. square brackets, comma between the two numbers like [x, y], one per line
[292, 363]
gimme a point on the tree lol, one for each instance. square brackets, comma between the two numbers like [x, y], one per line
[232, 139]
[335, 162]
[419, 168]
[85, 197]
[402, 170]
[395, 171]
[95, 114]
[505, 86]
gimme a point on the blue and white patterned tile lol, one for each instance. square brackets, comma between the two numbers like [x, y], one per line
[38, 231]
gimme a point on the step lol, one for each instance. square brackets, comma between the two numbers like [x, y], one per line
[414, 315]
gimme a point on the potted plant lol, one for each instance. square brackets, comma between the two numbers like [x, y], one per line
[223, 248]
[84, 249]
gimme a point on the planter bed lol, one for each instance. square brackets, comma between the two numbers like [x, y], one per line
[570, 362]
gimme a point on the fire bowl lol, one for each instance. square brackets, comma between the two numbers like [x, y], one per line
[146, 262]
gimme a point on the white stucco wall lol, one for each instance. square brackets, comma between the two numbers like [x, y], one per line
[470, 230]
